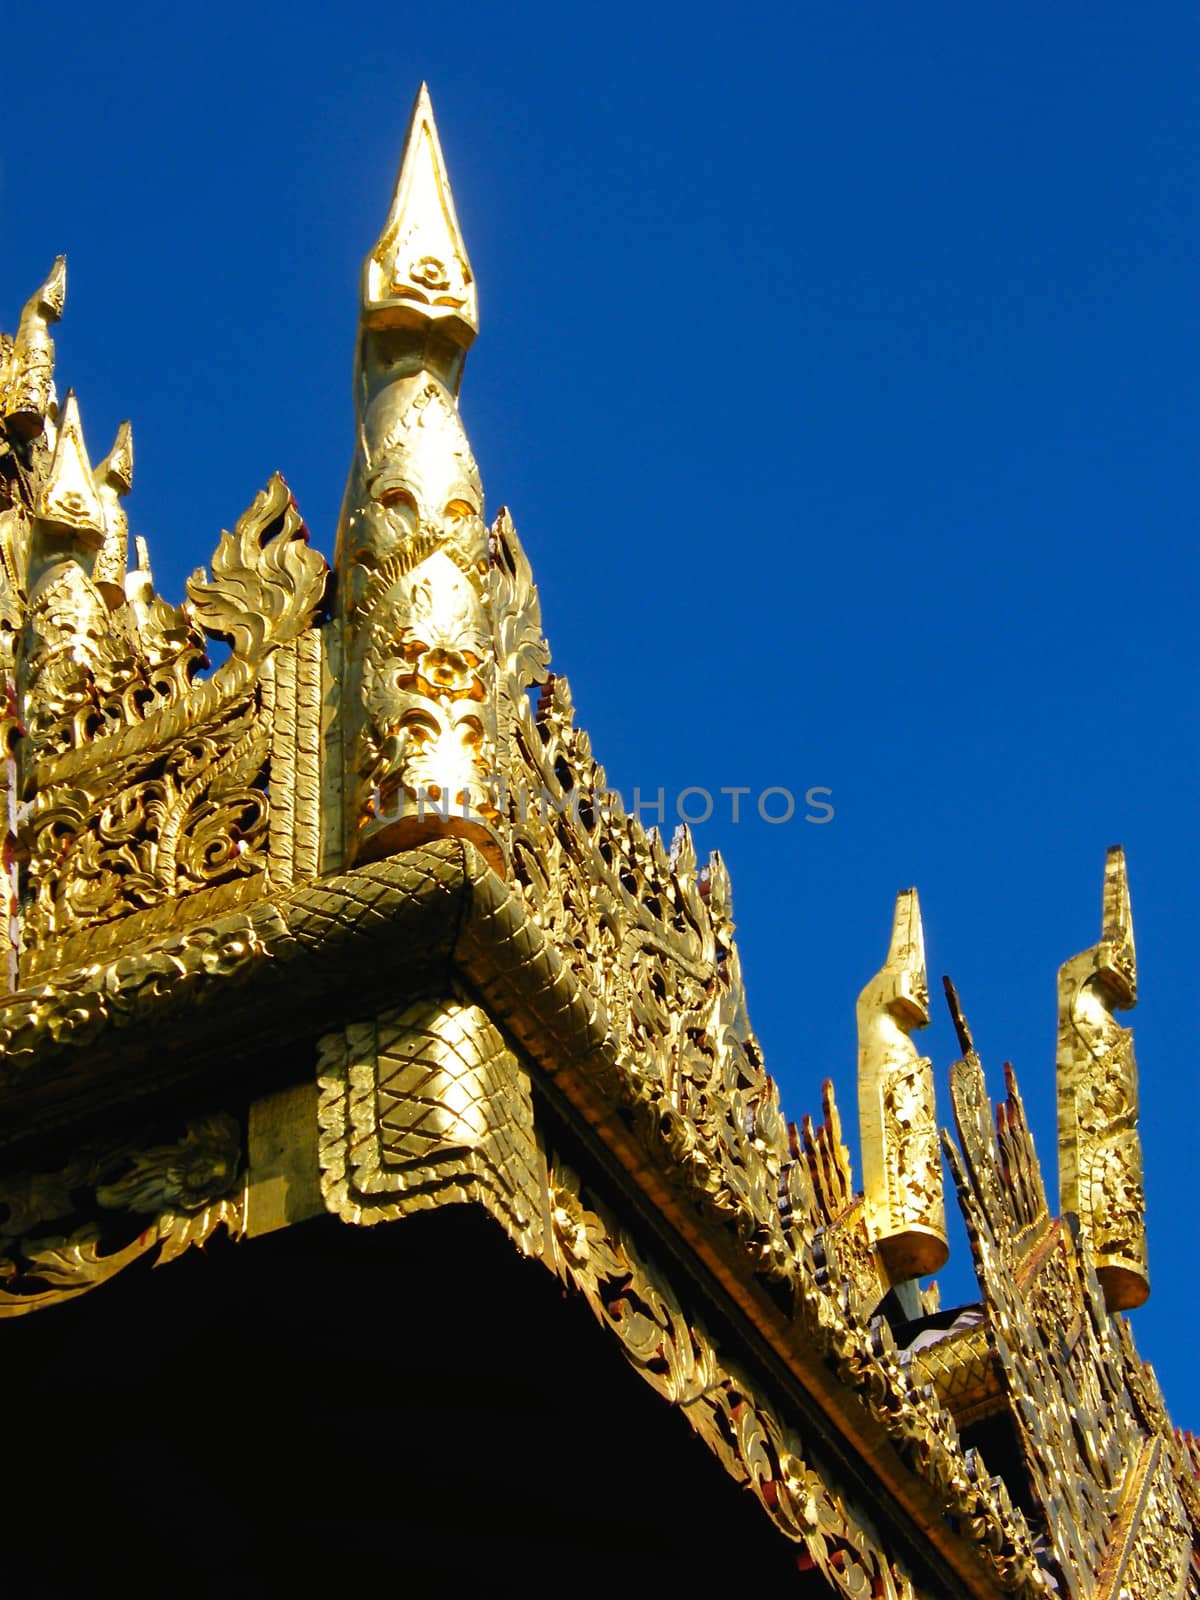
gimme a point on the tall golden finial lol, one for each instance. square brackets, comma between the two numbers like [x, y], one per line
[31, 373]
[418, 273]
[902, 1168]
[1100, 1154]
[420, 712]
[114, 479]
[67, 498]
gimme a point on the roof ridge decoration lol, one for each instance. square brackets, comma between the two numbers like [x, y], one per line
[1100, 1177]
[902, 1169]
[359, 828]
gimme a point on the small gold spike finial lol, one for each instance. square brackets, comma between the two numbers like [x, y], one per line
[114, 479]
[31, 376]
[68, 497]
[418, 273]
[902, 1170]
[1100, 1153]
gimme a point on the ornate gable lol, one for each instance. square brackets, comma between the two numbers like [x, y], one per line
[351, 924]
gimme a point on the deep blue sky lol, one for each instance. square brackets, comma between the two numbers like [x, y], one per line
[839, 366]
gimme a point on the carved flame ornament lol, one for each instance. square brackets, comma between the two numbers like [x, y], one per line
[360, 853]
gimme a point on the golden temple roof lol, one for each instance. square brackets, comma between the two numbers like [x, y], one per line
[349, 926]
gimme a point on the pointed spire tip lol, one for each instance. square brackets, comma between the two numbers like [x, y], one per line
[68, 496]
[418, 273]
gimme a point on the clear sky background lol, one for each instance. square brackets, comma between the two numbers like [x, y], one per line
[838, 364]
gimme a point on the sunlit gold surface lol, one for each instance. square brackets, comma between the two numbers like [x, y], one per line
[29, 381]
[418, 273]
[114, 480]
[68, 1230]
[679, 1358]
[902, 1169]
[1100, 1153]
[426, 1105]
[210, 870]
[68, 501]
[419, 708]
[1120, 1504]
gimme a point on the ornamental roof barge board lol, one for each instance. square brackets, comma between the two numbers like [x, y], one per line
[281, 941]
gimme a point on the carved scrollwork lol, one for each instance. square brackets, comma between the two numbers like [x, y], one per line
[76, 1006]
[1060, 1364]
[1101, 1153]
[653, 933]
[675, 1354]
[150, 801]
[420, 696]
[66, 1231]
[522, 654]
[195, 817]
[177, 799]
[902, 1169]
[84, 675]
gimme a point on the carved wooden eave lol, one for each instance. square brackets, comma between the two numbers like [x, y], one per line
[348, 927]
